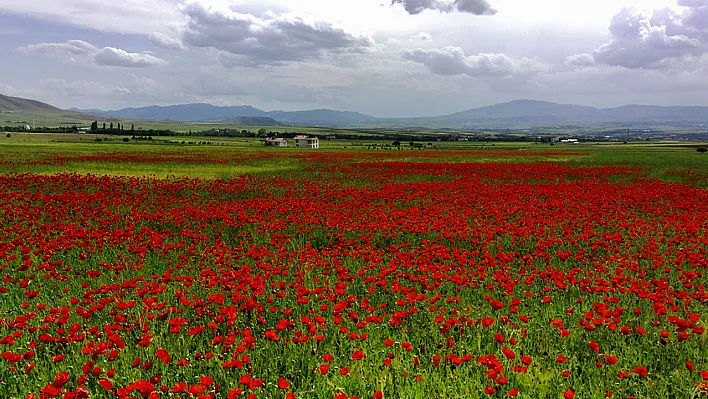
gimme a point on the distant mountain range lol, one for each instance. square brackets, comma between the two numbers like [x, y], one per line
[211, 113]
[540, 113]
[517, 114]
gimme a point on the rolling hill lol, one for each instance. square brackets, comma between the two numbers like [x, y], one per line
[512, 115]
[15, 104]
[531, 113]
[15, 110]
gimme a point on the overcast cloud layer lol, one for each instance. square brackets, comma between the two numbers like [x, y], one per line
[384, 58]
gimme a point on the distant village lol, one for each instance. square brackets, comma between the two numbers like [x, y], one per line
[298, 142]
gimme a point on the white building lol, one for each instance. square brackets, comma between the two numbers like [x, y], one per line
[276, 142]
[306, 142]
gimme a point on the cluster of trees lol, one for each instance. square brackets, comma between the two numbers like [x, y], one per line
[61, 129]
[120, 129]
[110, 129]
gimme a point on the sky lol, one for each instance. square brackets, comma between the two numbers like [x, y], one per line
[385, 58]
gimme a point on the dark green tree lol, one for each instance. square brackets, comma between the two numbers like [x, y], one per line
[94, 126]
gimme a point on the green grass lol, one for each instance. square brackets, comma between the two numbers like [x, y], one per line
[151, 232]
[659, 160]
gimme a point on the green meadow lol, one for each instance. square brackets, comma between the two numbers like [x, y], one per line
[679, 162]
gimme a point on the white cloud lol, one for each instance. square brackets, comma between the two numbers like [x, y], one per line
[476, 7]
[453, 61]
[273, 39]
[165, 41]
[112, 56]
[109, 56]
[72, 47]
[653, 39]
[580, 60]
[422, 36]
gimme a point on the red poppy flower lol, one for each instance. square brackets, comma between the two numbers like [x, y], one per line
[105, 384]
[163, 355]
[179, 387]
[689, 366]
[283, 383]
[357, 355]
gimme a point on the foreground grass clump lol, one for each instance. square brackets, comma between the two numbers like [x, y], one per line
[352, 275]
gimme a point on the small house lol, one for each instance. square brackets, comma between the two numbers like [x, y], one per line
[306, 142]
[276, 142]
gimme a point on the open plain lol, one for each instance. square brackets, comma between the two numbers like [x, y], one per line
[230, 271]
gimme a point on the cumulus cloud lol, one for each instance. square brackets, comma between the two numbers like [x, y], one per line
[71, 47]
[116, 57]
[476, 7]
[164, 41]
[273, 39]
[652, 39]
[110, 56]
[423, 36]
[453, 61]
[580, 60]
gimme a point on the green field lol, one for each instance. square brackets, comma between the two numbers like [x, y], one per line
[665, 161]
[228, 270]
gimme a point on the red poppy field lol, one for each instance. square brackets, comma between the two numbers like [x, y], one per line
[355, 275]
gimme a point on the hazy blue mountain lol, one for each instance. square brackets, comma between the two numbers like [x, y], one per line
[514, 114]
[530, 113]
[525, 109]
[649, 113]
[211, 113]
[248, 121]
[325, 117]
[182, 113]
